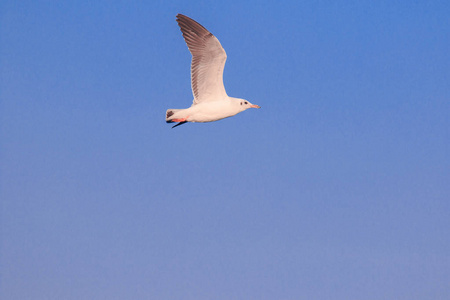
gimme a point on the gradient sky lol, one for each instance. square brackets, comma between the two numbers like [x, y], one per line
[337, 188]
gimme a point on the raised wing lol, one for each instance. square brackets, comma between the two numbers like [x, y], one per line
[208, 61]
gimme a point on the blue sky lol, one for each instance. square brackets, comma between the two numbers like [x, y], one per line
[338, 188]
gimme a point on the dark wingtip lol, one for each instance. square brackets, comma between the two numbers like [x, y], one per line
[181, 123]
[186, 22]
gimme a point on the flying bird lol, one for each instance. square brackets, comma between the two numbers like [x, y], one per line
[211, 102]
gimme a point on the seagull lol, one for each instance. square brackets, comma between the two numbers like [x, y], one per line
[211, 102]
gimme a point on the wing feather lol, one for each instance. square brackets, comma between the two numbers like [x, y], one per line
[208, 61]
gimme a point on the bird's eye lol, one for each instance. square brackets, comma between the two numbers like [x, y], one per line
[245, 102]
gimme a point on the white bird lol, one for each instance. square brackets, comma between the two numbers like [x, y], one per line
[211, 102]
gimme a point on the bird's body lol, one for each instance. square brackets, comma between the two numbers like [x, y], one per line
[211, 102]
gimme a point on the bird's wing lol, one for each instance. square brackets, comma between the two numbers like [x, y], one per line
[208, 61]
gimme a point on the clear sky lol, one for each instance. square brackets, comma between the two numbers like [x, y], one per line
[337, 188]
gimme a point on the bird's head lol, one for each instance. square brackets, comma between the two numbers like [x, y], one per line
[244, 104]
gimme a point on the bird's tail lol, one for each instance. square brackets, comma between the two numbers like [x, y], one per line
[170, 114]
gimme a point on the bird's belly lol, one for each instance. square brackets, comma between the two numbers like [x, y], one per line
[209, 112]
